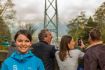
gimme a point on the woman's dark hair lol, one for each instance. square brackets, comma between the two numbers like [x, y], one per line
[42, 34]
[64, 49]
[24, 32]
[95, 34]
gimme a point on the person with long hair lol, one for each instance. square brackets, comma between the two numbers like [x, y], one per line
[67, 57]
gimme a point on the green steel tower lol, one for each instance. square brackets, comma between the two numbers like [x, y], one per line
[51, 17]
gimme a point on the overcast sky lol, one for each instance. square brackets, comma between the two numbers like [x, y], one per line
[67, 9]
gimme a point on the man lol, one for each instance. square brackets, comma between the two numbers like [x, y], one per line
[44, 50]
[94, 59]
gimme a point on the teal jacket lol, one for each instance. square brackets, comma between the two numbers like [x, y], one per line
[18, 61]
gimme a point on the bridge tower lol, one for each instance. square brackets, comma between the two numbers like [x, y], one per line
[51, 17]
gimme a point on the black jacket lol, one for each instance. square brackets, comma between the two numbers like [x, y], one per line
[46, 53]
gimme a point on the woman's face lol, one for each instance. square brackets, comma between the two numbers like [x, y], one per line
[23, 43]
[71, 45]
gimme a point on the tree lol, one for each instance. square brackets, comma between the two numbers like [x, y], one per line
[88, 26]
[77, 25]
[99, 18]
[90, 23]
[31, 28]
[5, 35]
[4, 30]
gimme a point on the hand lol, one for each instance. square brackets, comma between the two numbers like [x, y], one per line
[82, 45]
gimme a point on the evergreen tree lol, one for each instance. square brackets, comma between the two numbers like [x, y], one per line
[99, 18]
[77, 25]
[90, 24]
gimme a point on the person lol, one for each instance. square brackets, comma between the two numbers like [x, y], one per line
[94, 58]
[22, 58]
[44, 50]
[67, 57]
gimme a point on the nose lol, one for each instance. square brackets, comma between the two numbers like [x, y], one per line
[23, 43]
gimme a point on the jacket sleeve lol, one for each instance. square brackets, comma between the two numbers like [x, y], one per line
[4, 66]
[41, 65]
[81, 54]
[90, 61]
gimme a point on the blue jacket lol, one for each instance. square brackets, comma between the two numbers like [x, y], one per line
[18, 61]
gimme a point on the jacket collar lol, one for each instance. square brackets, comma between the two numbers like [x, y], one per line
[100, 42]
[44, 42]
[21, 57]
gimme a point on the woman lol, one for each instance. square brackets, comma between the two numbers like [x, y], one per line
[22, 59]
[67, 57]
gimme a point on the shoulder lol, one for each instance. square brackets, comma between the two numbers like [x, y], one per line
[35, 44]
[36, 59]
[75, 51]
[8, 60]
[101, 47]
[39, 44]
[95, 48]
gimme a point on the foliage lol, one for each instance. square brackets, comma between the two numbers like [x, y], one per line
[4, 29]
[98, 22]
[99, 18]
[77, 25]
[79, 29]
[5, 35]
[31, 28]
[90, 25]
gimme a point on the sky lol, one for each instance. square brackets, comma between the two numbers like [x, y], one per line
[67, 9]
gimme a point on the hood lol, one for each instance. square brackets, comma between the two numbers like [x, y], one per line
[21, 57]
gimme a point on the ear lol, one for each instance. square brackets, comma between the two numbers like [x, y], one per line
[30, 43]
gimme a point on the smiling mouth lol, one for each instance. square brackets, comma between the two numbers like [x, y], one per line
[23, 47]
